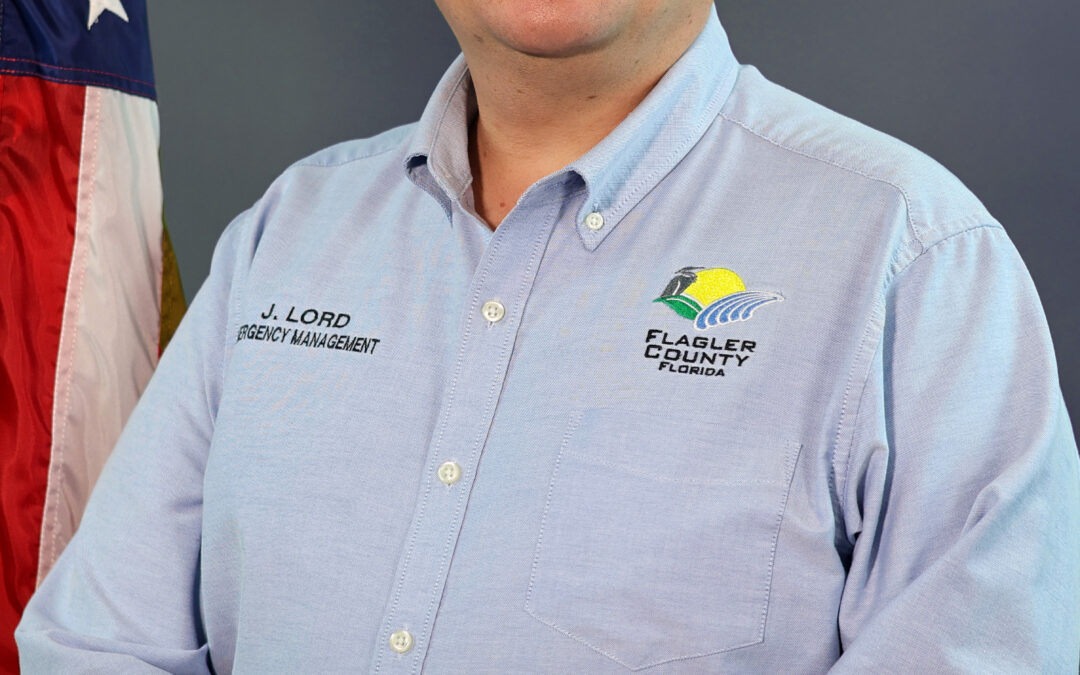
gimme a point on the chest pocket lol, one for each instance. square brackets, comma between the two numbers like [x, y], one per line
[658, 537]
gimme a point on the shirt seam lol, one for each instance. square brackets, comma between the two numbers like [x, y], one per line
[850, 169]
[239, 272]
[368, 155]
[674, 158]
[843, 489]
[939, 242]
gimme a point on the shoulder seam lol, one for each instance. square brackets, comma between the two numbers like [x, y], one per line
[903, 193]
[369, 155]
[939, 242]
[842, 489]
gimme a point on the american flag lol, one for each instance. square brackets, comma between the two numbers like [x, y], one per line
[88, 286]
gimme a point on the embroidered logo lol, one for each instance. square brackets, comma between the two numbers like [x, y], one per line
[712, 296]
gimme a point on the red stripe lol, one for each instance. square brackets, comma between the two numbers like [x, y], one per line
[40, 136]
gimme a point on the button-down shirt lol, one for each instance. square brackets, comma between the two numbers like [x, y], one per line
[746, 388]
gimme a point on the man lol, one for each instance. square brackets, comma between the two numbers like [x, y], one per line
[621, 358]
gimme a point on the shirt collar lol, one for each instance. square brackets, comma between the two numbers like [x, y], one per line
[620, 169]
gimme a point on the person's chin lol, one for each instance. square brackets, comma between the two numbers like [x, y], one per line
[554, 44]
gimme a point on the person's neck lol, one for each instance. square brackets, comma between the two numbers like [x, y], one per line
[536, 115]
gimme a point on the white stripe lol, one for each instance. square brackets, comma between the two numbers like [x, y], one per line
[109, 338]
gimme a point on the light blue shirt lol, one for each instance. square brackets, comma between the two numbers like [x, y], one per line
[747, 388]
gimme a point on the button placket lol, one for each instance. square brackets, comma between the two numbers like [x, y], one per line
[464, 423]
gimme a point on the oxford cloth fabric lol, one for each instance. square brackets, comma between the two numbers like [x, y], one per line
[791, 407]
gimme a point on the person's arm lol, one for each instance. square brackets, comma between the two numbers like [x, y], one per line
[961, 490]
[123, 597]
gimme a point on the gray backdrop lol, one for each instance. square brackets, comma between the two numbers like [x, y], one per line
[990, 88]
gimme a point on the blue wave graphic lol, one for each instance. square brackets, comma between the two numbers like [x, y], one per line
[735, 307]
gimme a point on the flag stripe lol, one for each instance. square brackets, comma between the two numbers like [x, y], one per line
[40, 140]
[109, 344]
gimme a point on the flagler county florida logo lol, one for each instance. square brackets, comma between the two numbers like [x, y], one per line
[708, 297]
[712, 296]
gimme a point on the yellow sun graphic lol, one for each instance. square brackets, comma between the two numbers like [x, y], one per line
[713, 284]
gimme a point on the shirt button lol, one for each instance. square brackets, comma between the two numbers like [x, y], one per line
[401, 641]
[449, 473]
[594, 221]
[493, 310]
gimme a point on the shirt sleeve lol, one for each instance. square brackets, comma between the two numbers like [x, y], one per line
[123, 597]
[961, 490]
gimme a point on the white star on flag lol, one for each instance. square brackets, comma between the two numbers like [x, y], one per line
[97, 7]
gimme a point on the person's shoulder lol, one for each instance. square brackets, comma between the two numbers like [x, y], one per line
[357, 150]
[337, 175]
[938, 204]
[319, 186]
